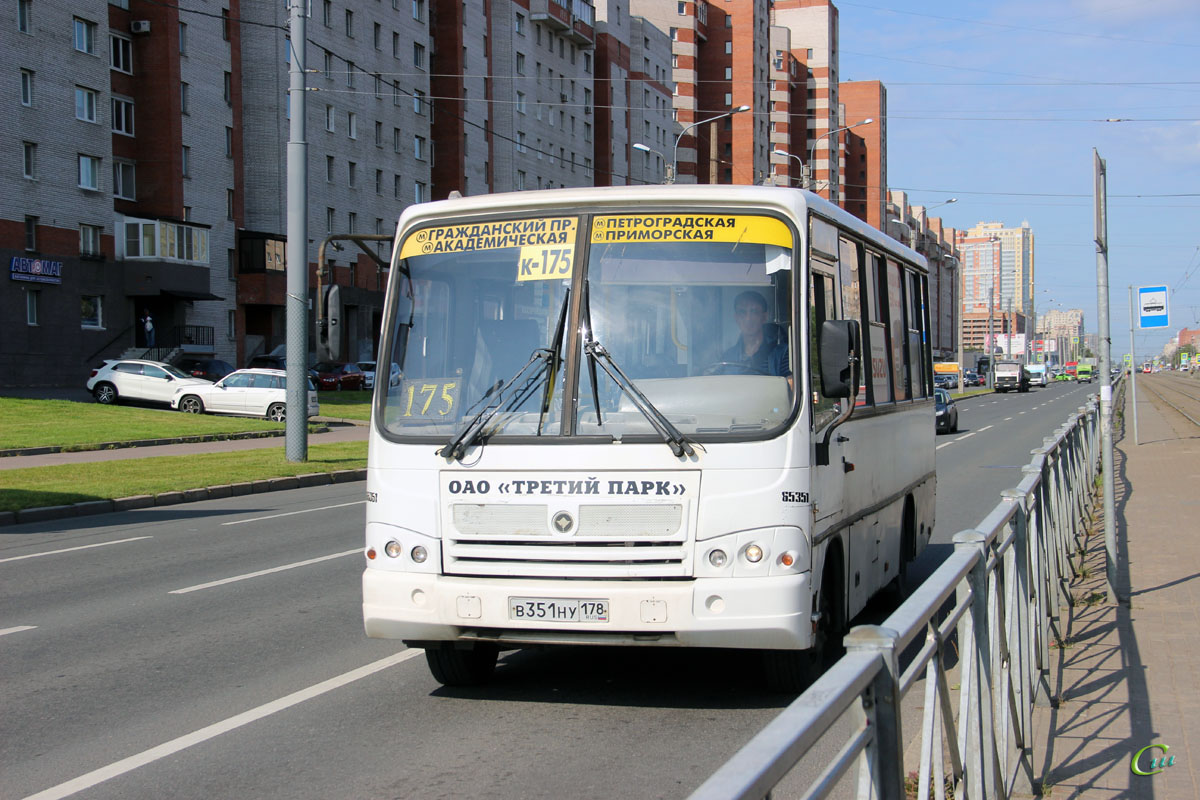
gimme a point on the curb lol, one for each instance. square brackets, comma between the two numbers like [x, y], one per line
[196, 439]
[90, 507]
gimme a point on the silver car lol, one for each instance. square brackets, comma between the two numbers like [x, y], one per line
[138, 379]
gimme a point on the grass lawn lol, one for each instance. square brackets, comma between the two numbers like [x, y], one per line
[346, 405]
[64, 423]
[106, 480]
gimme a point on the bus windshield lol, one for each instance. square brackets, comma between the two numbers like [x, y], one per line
[693, 310]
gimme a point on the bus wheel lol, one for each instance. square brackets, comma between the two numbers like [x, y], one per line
[793, 671]
[455, 666]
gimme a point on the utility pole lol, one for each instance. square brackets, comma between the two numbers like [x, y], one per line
[297, 241]
[991, 341]
[1106, 443]
[1133, 365]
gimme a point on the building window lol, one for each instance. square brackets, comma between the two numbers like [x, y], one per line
[351, 174]
[352, 125]
[379, 182]
[418, 192]
[418, 102]
[520, 63]
[520, 141]
[351, 222]
[228, 142]
[229, 203]
[183, 39]
[124, 184]
[419, 55]
[729, 48]
[396, 140]
[350, 70]
[419, 148]
[418, 9]
[377, 34]
[85, 36]
[520, 24]
[396, 94]
[26, 87]
[120, 54]
[31, 224]
[85, 104]
[31, 306]
[122, 116]
[227, 87]
[89, 172]
[327, 12]
[520, 180]
[396, 186]
[30, 160]
[378, 133]
[225, 24]
[329, 169]
[91, 311]
[395, 45]
[520, 102]
[728, 100]
[329, 215]
[328, 65]
[89, 240]
[24, 21]
[231, 324]
[185, 161]
[185, 92]
[330, 119]
[350, 23]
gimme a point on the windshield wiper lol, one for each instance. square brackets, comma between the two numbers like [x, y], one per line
[495, 398]
[547, 360]
[598, 354]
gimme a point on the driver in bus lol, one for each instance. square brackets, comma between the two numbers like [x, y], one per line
[758, 348]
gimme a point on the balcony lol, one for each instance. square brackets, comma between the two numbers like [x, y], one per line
[554, 14]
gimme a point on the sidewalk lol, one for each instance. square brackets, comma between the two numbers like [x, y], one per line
[1129, 674]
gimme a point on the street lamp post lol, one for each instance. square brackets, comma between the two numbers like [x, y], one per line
[812, 150]
[669, 178]
[799, 161]
[686, 128]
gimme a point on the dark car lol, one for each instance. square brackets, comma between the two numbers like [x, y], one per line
[338, 375]
[946, 412]
[211, 369]
[972, 379]
[945, 381]
[268, 362]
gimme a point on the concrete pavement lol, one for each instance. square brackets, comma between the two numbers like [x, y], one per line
[1128, 673]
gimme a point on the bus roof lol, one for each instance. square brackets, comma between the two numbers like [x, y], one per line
[652, 197]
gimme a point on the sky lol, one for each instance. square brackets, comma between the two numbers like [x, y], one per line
[1000, 104]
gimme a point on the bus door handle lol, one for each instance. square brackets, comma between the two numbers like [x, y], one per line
[842, 439]
[847, 466]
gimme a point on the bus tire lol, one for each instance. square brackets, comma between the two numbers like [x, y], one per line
[908, 552]
[793, 671]
[458, 666]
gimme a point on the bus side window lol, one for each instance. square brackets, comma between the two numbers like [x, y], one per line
[821, 307]
[895, 298]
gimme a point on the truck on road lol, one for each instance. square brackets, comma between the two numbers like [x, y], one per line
[1011, 375]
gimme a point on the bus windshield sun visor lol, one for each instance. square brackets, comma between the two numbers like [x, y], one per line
[544, 363]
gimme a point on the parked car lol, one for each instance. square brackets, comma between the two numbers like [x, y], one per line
[368, 368]
[250, 392]
[945, 411]
[267, 362]
[136, 379]
[336, 375]
[972, 379]
[945, 381]
[211, 369]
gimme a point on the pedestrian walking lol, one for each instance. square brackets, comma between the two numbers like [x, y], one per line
[148, 326]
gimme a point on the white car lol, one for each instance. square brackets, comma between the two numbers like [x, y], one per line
[136, 379]
[249, 392]
[368, 368]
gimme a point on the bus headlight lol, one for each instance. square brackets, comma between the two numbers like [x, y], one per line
[393, 549]
[419, 554]
[754, 554]
[718, 558]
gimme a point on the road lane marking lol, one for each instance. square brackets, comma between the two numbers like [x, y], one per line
[967, 436]
[17, 629]
[70, 549]
[262, 572]
[944, 444]
[988, 428]
[1008, 419]
[293, 513]
[1019, 413]
[118, 768]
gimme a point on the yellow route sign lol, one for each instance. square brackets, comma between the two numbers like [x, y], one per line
[547, 232]
[751, 229]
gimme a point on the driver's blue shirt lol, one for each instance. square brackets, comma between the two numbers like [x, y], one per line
[768, 359]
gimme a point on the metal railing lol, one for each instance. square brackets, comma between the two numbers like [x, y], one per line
[1009, 579]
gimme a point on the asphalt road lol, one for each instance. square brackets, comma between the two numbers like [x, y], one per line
[215, 650]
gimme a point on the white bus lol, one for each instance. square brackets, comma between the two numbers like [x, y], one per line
[624, 417]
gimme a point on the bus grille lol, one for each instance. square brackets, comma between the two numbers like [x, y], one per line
[606, 541]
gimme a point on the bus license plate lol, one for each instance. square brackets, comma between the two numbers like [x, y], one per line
[544, 609]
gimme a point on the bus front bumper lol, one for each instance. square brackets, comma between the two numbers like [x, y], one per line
[757, 613]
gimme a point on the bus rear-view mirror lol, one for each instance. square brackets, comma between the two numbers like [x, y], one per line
[839, 344]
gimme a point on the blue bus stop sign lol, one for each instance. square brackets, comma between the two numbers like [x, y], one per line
[1152, 307]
